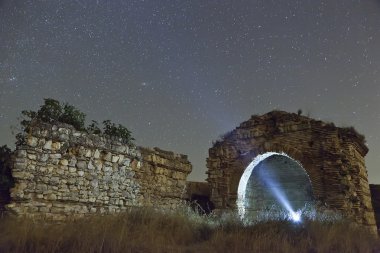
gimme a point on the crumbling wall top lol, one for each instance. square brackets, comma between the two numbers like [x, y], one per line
[276, 121]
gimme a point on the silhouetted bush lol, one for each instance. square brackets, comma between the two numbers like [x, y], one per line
[73, 116]
[352, 132]
[52, 111]
[94, 128]
[118, 131]
[6, 179]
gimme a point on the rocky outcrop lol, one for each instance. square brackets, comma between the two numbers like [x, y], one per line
[61, 173]
[333, 158]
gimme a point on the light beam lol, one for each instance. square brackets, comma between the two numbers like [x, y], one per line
[277, 193]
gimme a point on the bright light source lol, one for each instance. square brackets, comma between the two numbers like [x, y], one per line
[295, 216]
[271, 185]
[244, 181]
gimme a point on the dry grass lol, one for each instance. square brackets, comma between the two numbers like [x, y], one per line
[142, 230]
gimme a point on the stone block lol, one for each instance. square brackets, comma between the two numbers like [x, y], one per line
[127, 162]
[47, 145]
[115, 158]
[55, 156]
[54, 180]
[32, 157]
[52, 197]
[64, 137]
[17, 166]
[121, 159]
[90, 165]
[64, 162]
[108, 157]
[107, 169]
[50, 168]
[43, 157]
[81, 165]
[32, 141]
[31, 167]
[55, 146]
[96, 154]
[22, 175]
[44, 133]
[88, 153]
[119, 148]
[20, 153]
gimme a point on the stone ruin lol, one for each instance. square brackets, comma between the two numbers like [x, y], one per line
[60, 172]
[312, 160]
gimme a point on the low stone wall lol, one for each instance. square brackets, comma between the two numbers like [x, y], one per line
[61, 173]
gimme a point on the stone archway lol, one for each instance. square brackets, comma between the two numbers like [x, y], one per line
[274, 182]
[332, 157]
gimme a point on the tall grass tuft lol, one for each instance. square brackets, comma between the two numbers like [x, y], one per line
[148, 230]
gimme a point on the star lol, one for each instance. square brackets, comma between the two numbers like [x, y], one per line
[179, 74]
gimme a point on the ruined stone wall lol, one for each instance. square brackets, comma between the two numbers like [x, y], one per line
[61, 172]
[333, 158]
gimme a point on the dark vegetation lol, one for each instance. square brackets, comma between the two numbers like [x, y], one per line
[6, 179]
[351, 132]
[146, 230]
[52, 111]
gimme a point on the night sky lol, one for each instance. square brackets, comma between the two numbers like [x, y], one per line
[180, 73]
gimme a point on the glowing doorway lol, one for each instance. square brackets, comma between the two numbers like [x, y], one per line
[273, 179]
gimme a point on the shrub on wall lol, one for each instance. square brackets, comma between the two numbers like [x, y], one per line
[52, 111]
[73, 116]
[94, 128]
[118, 131]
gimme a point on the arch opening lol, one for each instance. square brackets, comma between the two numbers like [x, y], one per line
[274, 182]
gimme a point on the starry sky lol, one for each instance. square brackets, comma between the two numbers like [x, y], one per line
[180, 73]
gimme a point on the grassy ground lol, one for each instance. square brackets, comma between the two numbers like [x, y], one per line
[142, 230]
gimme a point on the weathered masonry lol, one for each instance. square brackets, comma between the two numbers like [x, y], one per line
[61, 173]
[277, 158]
[331, 168]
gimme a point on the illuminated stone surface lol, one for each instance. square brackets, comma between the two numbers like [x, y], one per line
[333, 158]
[65, 173]
[277, 181]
